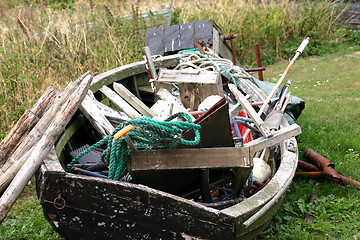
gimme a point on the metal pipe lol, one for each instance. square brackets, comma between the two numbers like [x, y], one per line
[259, 69]
[283, 95]
[308, 167]
[205, 185]
[258, 61]
[88, 173]
[328, 169]
[231, 37]
[198, 45]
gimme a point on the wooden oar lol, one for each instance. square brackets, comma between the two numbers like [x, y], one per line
[42, 148]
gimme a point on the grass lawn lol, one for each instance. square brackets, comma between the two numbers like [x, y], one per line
[330, 124]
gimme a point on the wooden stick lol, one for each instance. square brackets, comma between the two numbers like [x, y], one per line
[133, 100]
[44, 122]
[27, 121]
[121, 103]
[251, 111]
[44, 145]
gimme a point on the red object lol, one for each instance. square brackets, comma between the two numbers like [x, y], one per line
[243, 129]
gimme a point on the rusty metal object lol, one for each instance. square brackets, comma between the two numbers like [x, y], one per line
[318, 174]
[328, 169]
[256, 187]
[258, 61]
[259, 69]
[230, 37]
[309, 217]
[350, 181]
[59, 202]
[198, 45]
[308, 167]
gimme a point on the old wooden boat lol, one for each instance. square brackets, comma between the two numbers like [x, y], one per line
[164, 203]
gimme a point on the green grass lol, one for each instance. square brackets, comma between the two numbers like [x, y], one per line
[330, 124]
[26, 219]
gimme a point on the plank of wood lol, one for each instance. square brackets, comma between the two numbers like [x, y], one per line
[89, 108]
[251, 111]
[119, 102]
[43, 146]
[226, 157]
[279, 136]
[24, 125]
[133, 100]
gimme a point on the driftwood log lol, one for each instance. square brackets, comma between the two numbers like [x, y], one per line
[17, 159]
[27, 121]
[43, 146]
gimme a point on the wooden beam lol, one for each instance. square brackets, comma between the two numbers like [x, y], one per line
[133, 100]
[89, 108]
[251, 111]
[120, 103]
[279, 136]
[226, 157]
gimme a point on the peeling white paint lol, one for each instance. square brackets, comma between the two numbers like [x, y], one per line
[101, 224]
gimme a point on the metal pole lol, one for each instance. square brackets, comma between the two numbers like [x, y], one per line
[258, 61]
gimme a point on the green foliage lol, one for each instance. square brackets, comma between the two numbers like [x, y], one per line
[26, 219]
[354, 36]
[278, 26]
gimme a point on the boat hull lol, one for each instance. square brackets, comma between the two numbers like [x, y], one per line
[81, 207]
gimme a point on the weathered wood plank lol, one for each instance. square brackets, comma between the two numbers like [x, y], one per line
[120, 103]
[22, 128]
[133, 100]
[44, 145]
[192, 158]
[279, 136]
[251, 111]
[194, 85]
[89, 108]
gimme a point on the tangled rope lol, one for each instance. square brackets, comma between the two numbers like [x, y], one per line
[211, 61]
[147, 133]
